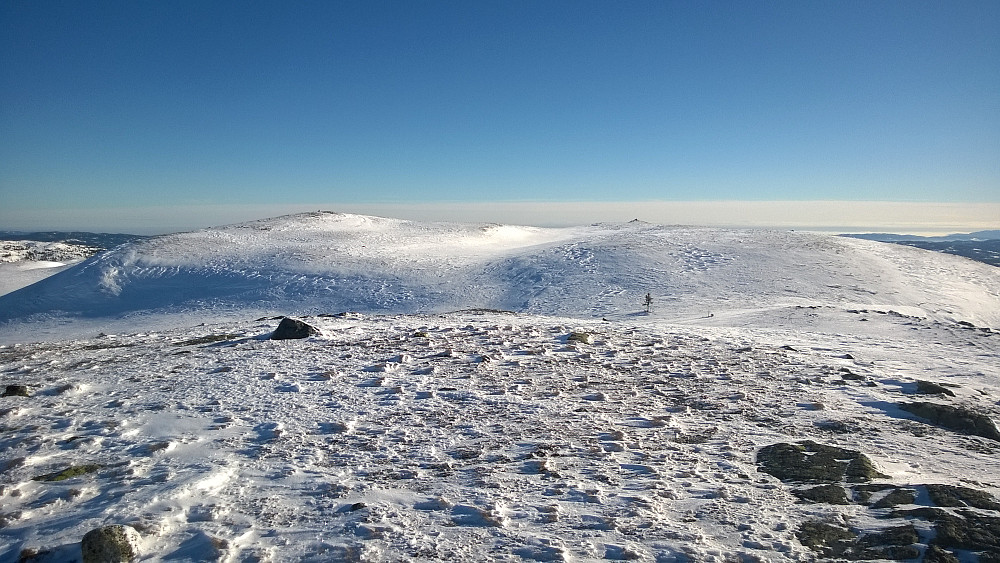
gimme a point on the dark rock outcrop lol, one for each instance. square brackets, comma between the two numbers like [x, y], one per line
[15, 391]
[896, 497]
[952, 495]
[808, 461]
[111, 544]
[931, 388]
[960, 530]
[289, 329]
[829, 494]
[959, 419]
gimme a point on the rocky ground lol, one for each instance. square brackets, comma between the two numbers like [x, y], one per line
[495, 436]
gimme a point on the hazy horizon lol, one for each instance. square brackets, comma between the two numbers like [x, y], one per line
[831, 216]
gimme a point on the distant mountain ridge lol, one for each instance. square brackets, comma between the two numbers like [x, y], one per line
[101, 241]
[982, 246]
[892, 237]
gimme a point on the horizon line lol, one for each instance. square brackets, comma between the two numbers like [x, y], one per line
[904, 217]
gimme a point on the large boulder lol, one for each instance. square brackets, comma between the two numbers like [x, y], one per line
[290, 328]
[111, 544]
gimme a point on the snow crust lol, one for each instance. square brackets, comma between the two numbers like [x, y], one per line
[423, 429]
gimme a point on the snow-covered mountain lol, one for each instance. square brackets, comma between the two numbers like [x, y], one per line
[499, 394]
[328, 262]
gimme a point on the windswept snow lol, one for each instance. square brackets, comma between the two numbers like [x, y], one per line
[434, 426]
[327, 262]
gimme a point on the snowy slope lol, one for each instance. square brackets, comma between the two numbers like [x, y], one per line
[422, 430]
[24, 262]
[326, 262]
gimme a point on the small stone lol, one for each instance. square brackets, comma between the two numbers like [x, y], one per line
[15, 391]
[111, 544]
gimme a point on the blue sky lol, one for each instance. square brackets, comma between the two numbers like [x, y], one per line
[142, 104]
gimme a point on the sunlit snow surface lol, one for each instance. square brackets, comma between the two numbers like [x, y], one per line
[328, 262]
[442, 434]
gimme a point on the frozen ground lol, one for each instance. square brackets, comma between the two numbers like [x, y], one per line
[423, 430]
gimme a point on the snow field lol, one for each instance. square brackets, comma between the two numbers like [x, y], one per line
[470, 436]
[322, 262]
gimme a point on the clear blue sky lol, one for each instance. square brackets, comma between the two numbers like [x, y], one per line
[149, 103]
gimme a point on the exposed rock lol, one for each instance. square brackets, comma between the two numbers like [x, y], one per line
[808, 461]
[895, 498]
[970, 530]
[209, 339]
[827, 539]
[961, 530]
[935, 554]
[952, 495]
[895, 543]
[838, 426]
[68, 473]
[291, 329]
[833, 541]
[865, 492]
[111, 544]
[931, 388]
[899, 535]
[830, 494]
[15, 391]
[958, 419]
[848, 375]
[581, 337]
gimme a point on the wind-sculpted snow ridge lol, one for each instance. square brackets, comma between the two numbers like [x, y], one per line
[503, 437]
[322, 262]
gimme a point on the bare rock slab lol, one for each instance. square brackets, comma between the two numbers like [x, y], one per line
[810, 462]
